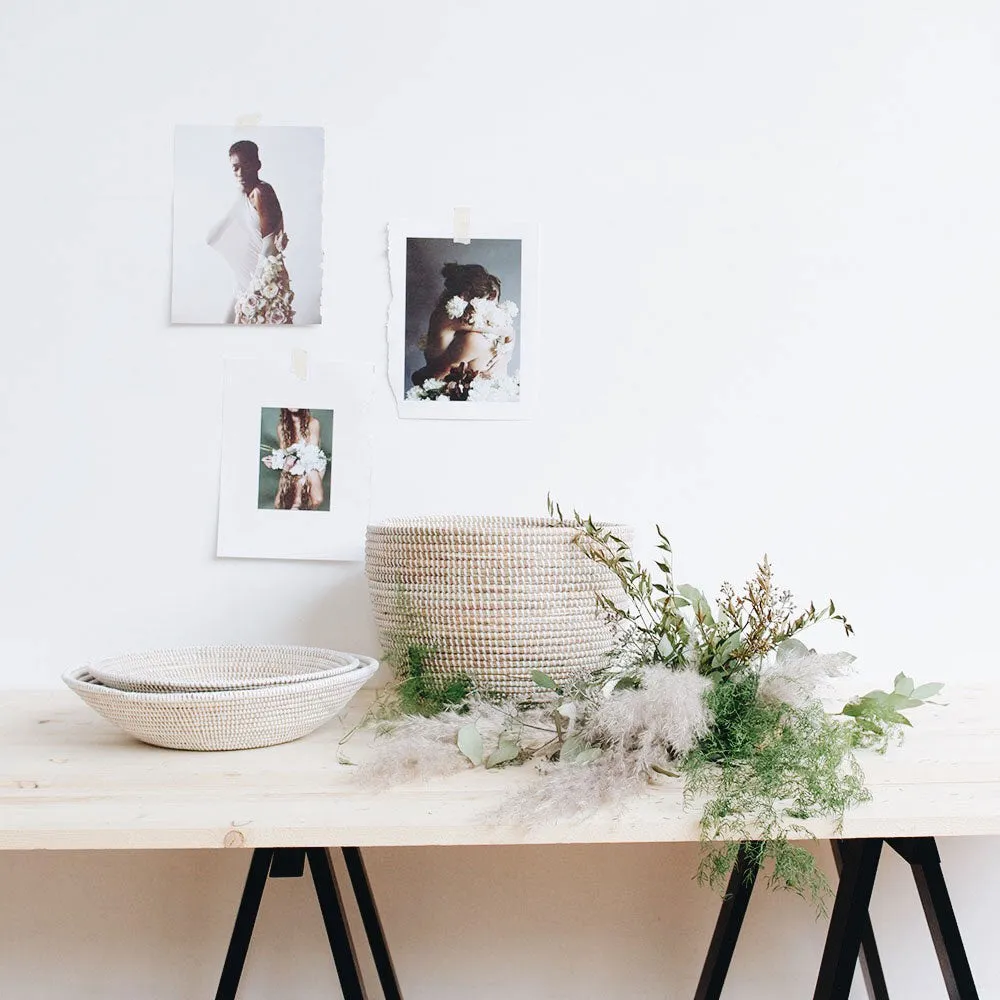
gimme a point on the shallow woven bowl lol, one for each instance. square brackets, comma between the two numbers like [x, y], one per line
[223, 720]
[220, 668]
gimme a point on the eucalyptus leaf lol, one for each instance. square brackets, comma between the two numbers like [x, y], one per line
[789, 648]
[471, 743]
[572, 747]
[543, 680]
[895, 700]
[692, 594]
[507, 750]
[903, 685]
[875, 696]
[586, 756]
[727, 648]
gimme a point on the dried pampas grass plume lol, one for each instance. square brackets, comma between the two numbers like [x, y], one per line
[797, 679]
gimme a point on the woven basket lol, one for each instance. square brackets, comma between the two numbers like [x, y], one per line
[223, 720]
[494, 597]
[219, 668]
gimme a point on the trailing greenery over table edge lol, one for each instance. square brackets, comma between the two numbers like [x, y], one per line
[723, 696]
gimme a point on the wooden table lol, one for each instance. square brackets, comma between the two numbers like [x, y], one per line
[71, 781]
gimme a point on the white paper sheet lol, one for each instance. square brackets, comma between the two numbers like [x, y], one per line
[335, 534]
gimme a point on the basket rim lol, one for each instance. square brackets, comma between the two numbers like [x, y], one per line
[482, 523]
[123, 672]
[76, 679]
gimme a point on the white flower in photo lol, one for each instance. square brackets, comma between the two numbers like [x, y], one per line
[276, 459]
[498, 389]
[481, 313]
[270, 290]
[491, 314]
[430, 389]
[306, 458]
[456, 306]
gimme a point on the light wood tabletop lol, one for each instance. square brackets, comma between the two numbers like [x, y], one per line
[71, 780]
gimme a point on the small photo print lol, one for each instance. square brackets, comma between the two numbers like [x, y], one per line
[295, 468]
[248, 205]
[314, 456]
[458, 339]
[461, 320]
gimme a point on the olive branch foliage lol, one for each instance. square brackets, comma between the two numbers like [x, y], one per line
[759, 763]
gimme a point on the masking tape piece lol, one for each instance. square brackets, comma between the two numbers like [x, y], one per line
[300, 363]
[248, 121]
[462, 225]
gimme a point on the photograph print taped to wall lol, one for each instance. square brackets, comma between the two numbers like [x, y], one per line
[280, 461]
[461, 323]
[295, 467]
[248, 205]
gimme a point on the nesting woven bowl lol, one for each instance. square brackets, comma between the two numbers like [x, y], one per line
[222, 697]
[493, 597]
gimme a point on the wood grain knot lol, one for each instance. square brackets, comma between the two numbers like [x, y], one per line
[234, 839]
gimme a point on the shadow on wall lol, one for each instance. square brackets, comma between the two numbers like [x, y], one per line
[280, 601]
[341, 618]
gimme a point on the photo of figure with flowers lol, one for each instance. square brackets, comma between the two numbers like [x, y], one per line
[295, 449]
[247, 225]
[462, 321]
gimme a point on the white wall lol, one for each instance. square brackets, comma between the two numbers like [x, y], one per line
[769, 263]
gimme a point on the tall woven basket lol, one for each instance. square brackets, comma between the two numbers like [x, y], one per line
[493, 598]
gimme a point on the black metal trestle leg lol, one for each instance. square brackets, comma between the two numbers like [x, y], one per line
[925, 863]
[850, 924]
[849, 918]
[871, 963]
[373, 925]
[337, 931]
[288, 862]
[246, 917]
[730, 920]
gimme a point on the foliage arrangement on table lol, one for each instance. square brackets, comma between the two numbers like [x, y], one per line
[723, 696]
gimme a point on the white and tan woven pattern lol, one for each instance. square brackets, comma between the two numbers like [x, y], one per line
[223, 720]
[219, 668]
[494, 597]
